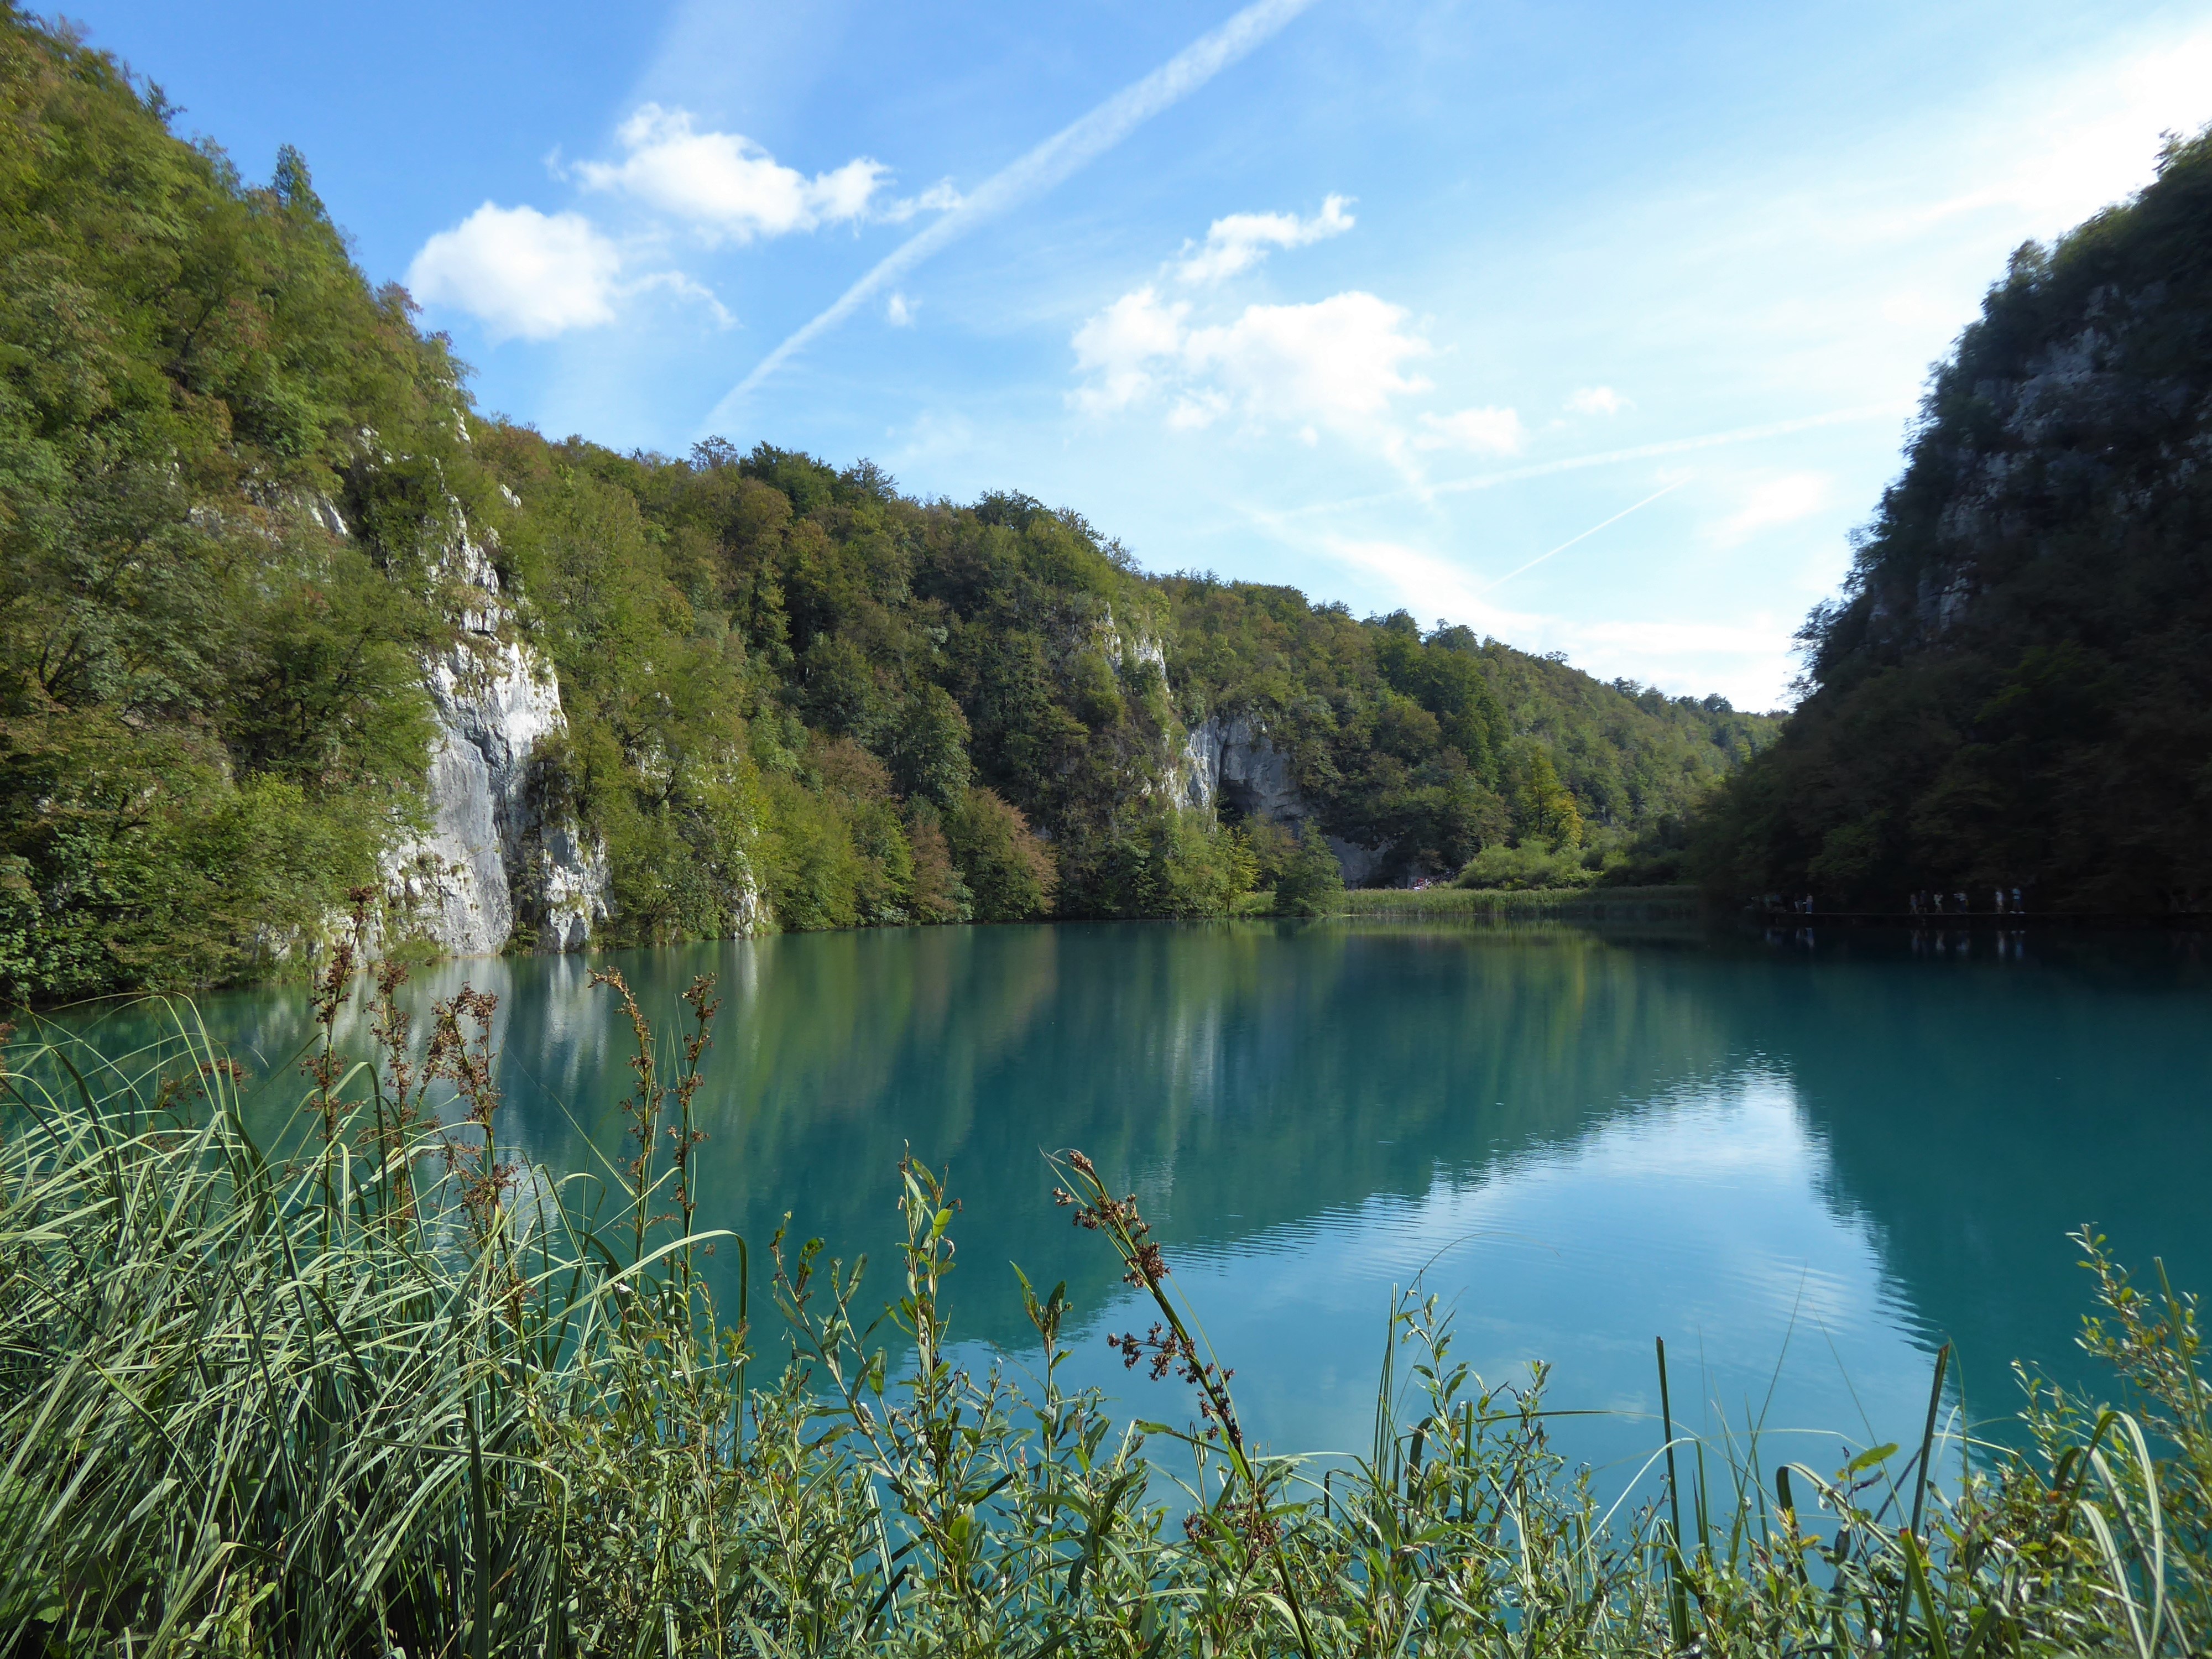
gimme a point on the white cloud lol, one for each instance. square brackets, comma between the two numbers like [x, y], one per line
[1194, 409]
[1336, 358]
[1430, 584]
[1241, 240]
[1478, 431]
[934, 436]
[899, 311]
[1335, 362]
[2062, 151]
[520, 271]
[1597, 400]
[675, 282]
[1124, 346]
[727, 183]
[1773, 502]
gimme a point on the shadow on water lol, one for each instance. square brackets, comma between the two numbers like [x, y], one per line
[1823, 1159]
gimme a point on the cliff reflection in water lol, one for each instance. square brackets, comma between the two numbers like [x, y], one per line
[1824, 1160]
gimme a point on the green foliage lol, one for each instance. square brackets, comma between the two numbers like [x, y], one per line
[1008, 872]
[212, 709]
[1438, 745]
[1544, 809]
[383, 1389]
[2013, 689]
[1530, 866]
[1300, 869]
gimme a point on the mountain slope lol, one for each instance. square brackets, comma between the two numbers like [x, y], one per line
[2015, 686]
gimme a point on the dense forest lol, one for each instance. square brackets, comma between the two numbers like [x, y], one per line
[2014, 687]
[248, 510]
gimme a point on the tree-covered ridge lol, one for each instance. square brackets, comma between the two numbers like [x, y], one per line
[866, 702]
[757, 640]
[210, 708]
[247, 507]
[2014, 688]
[1439, 744]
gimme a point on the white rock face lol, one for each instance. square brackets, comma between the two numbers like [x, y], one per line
[494, 857]
[1230, 759]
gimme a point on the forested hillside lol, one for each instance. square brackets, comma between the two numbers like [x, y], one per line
[288, 628]
[2014, 687]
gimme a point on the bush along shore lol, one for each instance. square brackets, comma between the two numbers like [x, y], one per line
[1583, 903]
[383, 1389]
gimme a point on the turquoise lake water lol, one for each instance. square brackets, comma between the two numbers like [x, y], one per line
[1805, 1163]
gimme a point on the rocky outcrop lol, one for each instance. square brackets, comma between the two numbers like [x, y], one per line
[2054, 438]
[1228, 759]
[1360, 865]
[494, 860]
[2014, 691]
[499, 861]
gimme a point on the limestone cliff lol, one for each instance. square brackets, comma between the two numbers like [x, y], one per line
[1229, 760]
[498, 863]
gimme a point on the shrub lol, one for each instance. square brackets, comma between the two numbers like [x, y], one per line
[1520, 869]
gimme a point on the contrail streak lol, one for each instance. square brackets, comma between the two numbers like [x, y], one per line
[1050, 162]
[1611, 457]
[1518, 569]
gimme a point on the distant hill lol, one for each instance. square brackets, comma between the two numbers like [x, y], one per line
[2014, 687]
[287, 628]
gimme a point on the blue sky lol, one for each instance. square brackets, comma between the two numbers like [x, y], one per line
[1594, 327]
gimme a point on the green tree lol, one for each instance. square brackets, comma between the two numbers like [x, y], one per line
[1311, 882]
[1006, 868]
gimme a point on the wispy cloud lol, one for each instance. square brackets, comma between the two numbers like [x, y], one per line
[899, 311]
[1602, 523]
[1477, 431]
[1745, 660]
[1895, 411]
[1241, 240]
[1597, 400]
[1771, 502]
[1073, 147]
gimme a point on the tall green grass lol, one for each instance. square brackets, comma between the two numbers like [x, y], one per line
[379, 1388]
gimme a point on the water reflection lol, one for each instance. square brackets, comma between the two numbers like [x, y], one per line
[1804, 1163]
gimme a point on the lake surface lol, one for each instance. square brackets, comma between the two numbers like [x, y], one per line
[1805, 1163]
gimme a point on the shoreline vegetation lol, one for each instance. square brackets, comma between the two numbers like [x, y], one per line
[1583, 903]
[382, 1387]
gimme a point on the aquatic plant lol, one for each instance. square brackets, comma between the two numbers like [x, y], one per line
[381, 1387]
